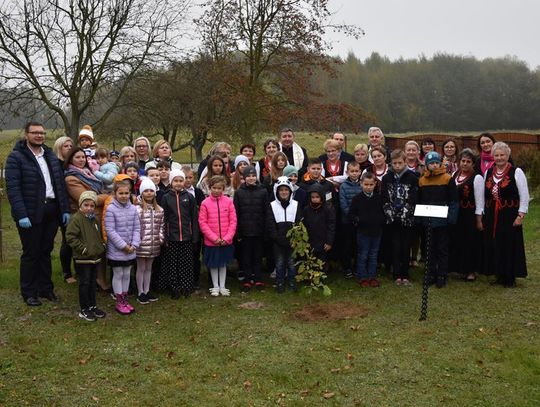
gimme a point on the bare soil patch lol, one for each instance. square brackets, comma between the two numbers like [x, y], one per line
[335, 311]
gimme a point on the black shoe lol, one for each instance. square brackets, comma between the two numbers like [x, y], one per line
[97, 312]
[293, 287]
[441, 282]
[87, 314]
[280, 288]
[175, 295]
[51, 297]
[348, 273]
[151, 297]
[33, 302]
[143, 299]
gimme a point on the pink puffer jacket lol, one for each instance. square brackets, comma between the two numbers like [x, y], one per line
[151, 232]
[217, 219]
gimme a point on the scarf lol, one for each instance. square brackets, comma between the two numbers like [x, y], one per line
[298, 155]
[86, 177]
[486, 161]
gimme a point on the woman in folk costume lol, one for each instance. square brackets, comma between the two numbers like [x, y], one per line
[504, 205]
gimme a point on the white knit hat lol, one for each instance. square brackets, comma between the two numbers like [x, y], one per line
[176, 173]
[146, 183]
[239, 159]
[86, 133]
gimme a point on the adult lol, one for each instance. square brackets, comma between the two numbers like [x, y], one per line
[38, 199]
[427, 144]
[379, 167]
[162, 151]
[484, 144]
[262, 167]
[221, 149]
[465, 249]
[127, 155]
[61, 148]
[332, 164]
[296, 155]
[343, 155]
[376, 139]
[361, 156]
[412, 158]
[504, 205]
[450, 155]
[142, 151]
[248, 150]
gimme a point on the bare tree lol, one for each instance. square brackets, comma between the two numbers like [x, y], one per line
[66, 52]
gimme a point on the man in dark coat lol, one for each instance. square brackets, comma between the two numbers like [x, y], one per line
[38, 198]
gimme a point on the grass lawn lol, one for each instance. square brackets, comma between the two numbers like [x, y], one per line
[479, 347]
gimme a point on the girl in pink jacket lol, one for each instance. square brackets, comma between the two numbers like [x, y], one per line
[217, 221]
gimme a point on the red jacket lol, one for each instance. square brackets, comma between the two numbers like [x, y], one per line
[217, 219]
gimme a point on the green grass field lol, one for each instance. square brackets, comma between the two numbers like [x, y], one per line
[479, 347]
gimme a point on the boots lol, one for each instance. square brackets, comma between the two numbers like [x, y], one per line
[121, 305]
[126, 303]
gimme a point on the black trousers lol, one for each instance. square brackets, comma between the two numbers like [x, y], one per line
[87, 284]
[438, 252]
[197, 264]
[37, 245]
[349, 246]
[401, 245]
[252, 252]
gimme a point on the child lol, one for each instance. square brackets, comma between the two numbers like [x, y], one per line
[282, 214]
[240, 162]
[123, 238]
[320, 222]
[152, 173]
[131, 169]
[151, 217]
[198, 194]
[367, 216]
[400, 194]
[217, 220]
[251, 201]
[215, 166]
[86, 137]
[299, 194]
[348, 190]
[181, 232]
[107, 170]
[313, 176]
[114, 156]
[84, 237]
[277, 166]
[164, 185]
[436, 187]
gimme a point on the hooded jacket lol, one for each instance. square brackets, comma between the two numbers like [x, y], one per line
[320, 221]
[152, 235]
[281, 215]
[84, 237]
[181, 216]
[217, 219]
[123, 228]
[251, 202]
[400, 194]
[438, 188]
[347, 191]
[26, 186]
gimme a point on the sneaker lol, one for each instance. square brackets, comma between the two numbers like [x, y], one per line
[293, 287]
[374, 283]
[224, 292]
[280, 288]
[406, 282]
[214, 292]
[273, 274]
[259, 285]
[143, 299]
[241, 275]
[364, 283]
[97, 312]
[87, 314]
[151, 297]
[399, 281]
[348, 273]
[246, 287]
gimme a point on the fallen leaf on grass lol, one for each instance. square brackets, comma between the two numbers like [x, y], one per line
[349, 356]
[171, 354]
[304, 393]
[354, 327]
[251, 305]
[247, 384]
[328, 395]
[336, 370]
[95, 398]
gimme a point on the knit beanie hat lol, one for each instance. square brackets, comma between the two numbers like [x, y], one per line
[114, 153]
[239, 159]
[146, 183]
[432, 157]
[289, 170]
[176, 173]
[87, 195]
[249, 170]
[87, 132]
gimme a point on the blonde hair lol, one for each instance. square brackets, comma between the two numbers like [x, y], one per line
[361, 147]
[58, 144]
[154, 204]
[332, 143]
[157, 145]
[124, 151]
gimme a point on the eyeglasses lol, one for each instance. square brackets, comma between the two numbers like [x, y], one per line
[38, 133]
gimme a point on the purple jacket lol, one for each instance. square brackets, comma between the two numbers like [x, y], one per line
[123, 227]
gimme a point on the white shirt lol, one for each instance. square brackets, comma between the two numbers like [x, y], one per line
[521, 183]
[49, 190]
[191, 190]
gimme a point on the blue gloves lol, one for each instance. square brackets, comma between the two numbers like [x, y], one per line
[25, 223]
[65, 218]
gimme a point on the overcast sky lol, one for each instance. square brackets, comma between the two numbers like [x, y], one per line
[409, 28]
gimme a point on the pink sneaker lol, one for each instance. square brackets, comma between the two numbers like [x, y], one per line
[120, 305]
[127, 304]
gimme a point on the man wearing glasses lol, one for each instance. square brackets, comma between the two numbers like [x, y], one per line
[38, 198]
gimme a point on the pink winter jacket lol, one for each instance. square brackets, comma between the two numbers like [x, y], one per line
[151, 232]
[217, 219]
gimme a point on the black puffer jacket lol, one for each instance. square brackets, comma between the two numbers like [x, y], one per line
[251, 204]
[320, 221]
[26, 185]
[181, 216]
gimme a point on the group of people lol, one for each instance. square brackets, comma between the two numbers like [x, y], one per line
[138, 207]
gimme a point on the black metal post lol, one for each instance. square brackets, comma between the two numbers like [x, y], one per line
[427, 277]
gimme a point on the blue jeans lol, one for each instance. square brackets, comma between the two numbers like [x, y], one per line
[366, 260]
[284, 265]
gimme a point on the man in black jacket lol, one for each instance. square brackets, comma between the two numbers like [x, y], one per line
[38, 198]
